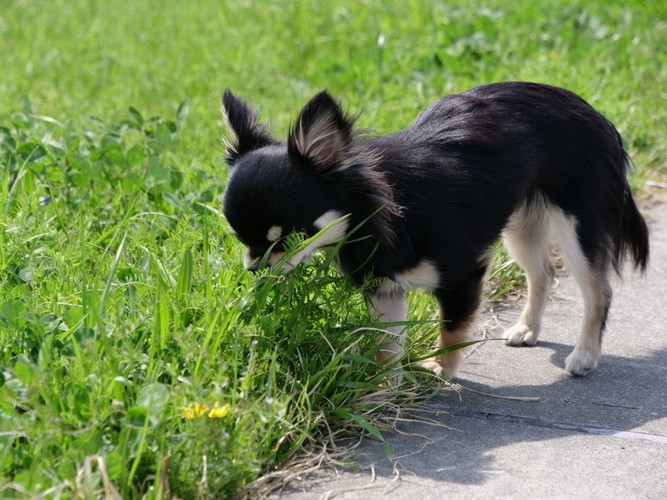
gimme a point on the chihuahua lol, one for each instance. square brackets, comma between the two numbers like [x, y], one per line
[529, 162]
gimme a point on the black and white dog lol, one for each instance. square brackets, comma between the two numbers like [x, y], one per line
[530, 162]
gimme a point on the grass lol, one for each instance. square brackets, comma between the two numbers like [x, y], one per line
[135, 351]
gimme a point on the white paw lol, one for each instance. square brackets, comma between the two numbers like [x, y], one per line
[434, 366]
[580, 362]
[446, 365]
[520, 334]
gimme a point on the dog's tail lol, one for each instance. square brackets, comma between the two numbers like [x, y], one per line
[633, 237]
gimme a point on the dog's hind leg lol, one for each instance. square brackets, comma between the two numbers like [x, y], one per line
[527, 237]
[592, 275]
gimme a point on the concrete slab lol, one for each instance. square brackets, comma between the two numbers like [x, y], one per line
[601, 436]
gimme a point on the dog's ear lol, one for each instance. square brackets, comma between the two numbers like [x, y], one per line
[321, 133]
[245, 133]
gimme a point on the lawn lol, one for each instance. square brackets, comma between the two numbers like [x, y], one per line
[138, 358]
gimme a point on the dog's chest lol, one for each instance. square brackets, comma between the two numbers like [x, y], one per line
[424, 275]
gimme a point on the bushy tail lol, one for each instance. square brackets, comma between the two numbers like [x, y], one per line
[634, 235]
[633, 239]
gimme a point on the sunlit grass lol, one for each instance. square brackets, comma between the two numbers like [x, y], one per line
[136, 353]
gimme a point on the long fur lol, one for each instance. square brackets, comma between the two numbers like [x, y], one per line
[443, 190]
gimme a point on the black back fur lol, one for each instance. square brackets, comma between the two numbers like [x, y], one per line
[442, 189]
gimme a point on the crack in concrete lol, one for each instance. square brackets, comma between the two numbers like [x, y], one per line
[538, 422]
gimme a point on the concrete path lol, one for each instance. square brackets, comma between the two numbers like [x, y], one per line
[601, 436]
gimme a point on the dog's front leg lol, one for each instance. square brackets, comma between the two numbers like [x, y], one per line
[389, 307]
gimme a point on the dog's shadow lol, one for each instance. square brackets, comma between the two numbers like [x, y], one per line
[485, 415]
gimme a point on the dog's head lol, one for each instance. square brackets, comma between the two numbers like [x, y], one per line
[276, 189]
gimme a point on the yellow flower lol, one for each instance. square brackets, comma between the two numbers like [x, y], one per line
[219, 411]
[197, 410]
[194, 411]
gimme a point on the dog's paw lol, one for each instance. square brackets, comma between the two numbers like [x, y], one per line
[444, 366]
[520, 334]
[434, 366]
[580, 362]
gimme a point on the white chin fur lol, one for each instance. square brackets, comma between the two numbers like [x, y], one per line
[273, 259]
[332, 235]
[247, 260]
